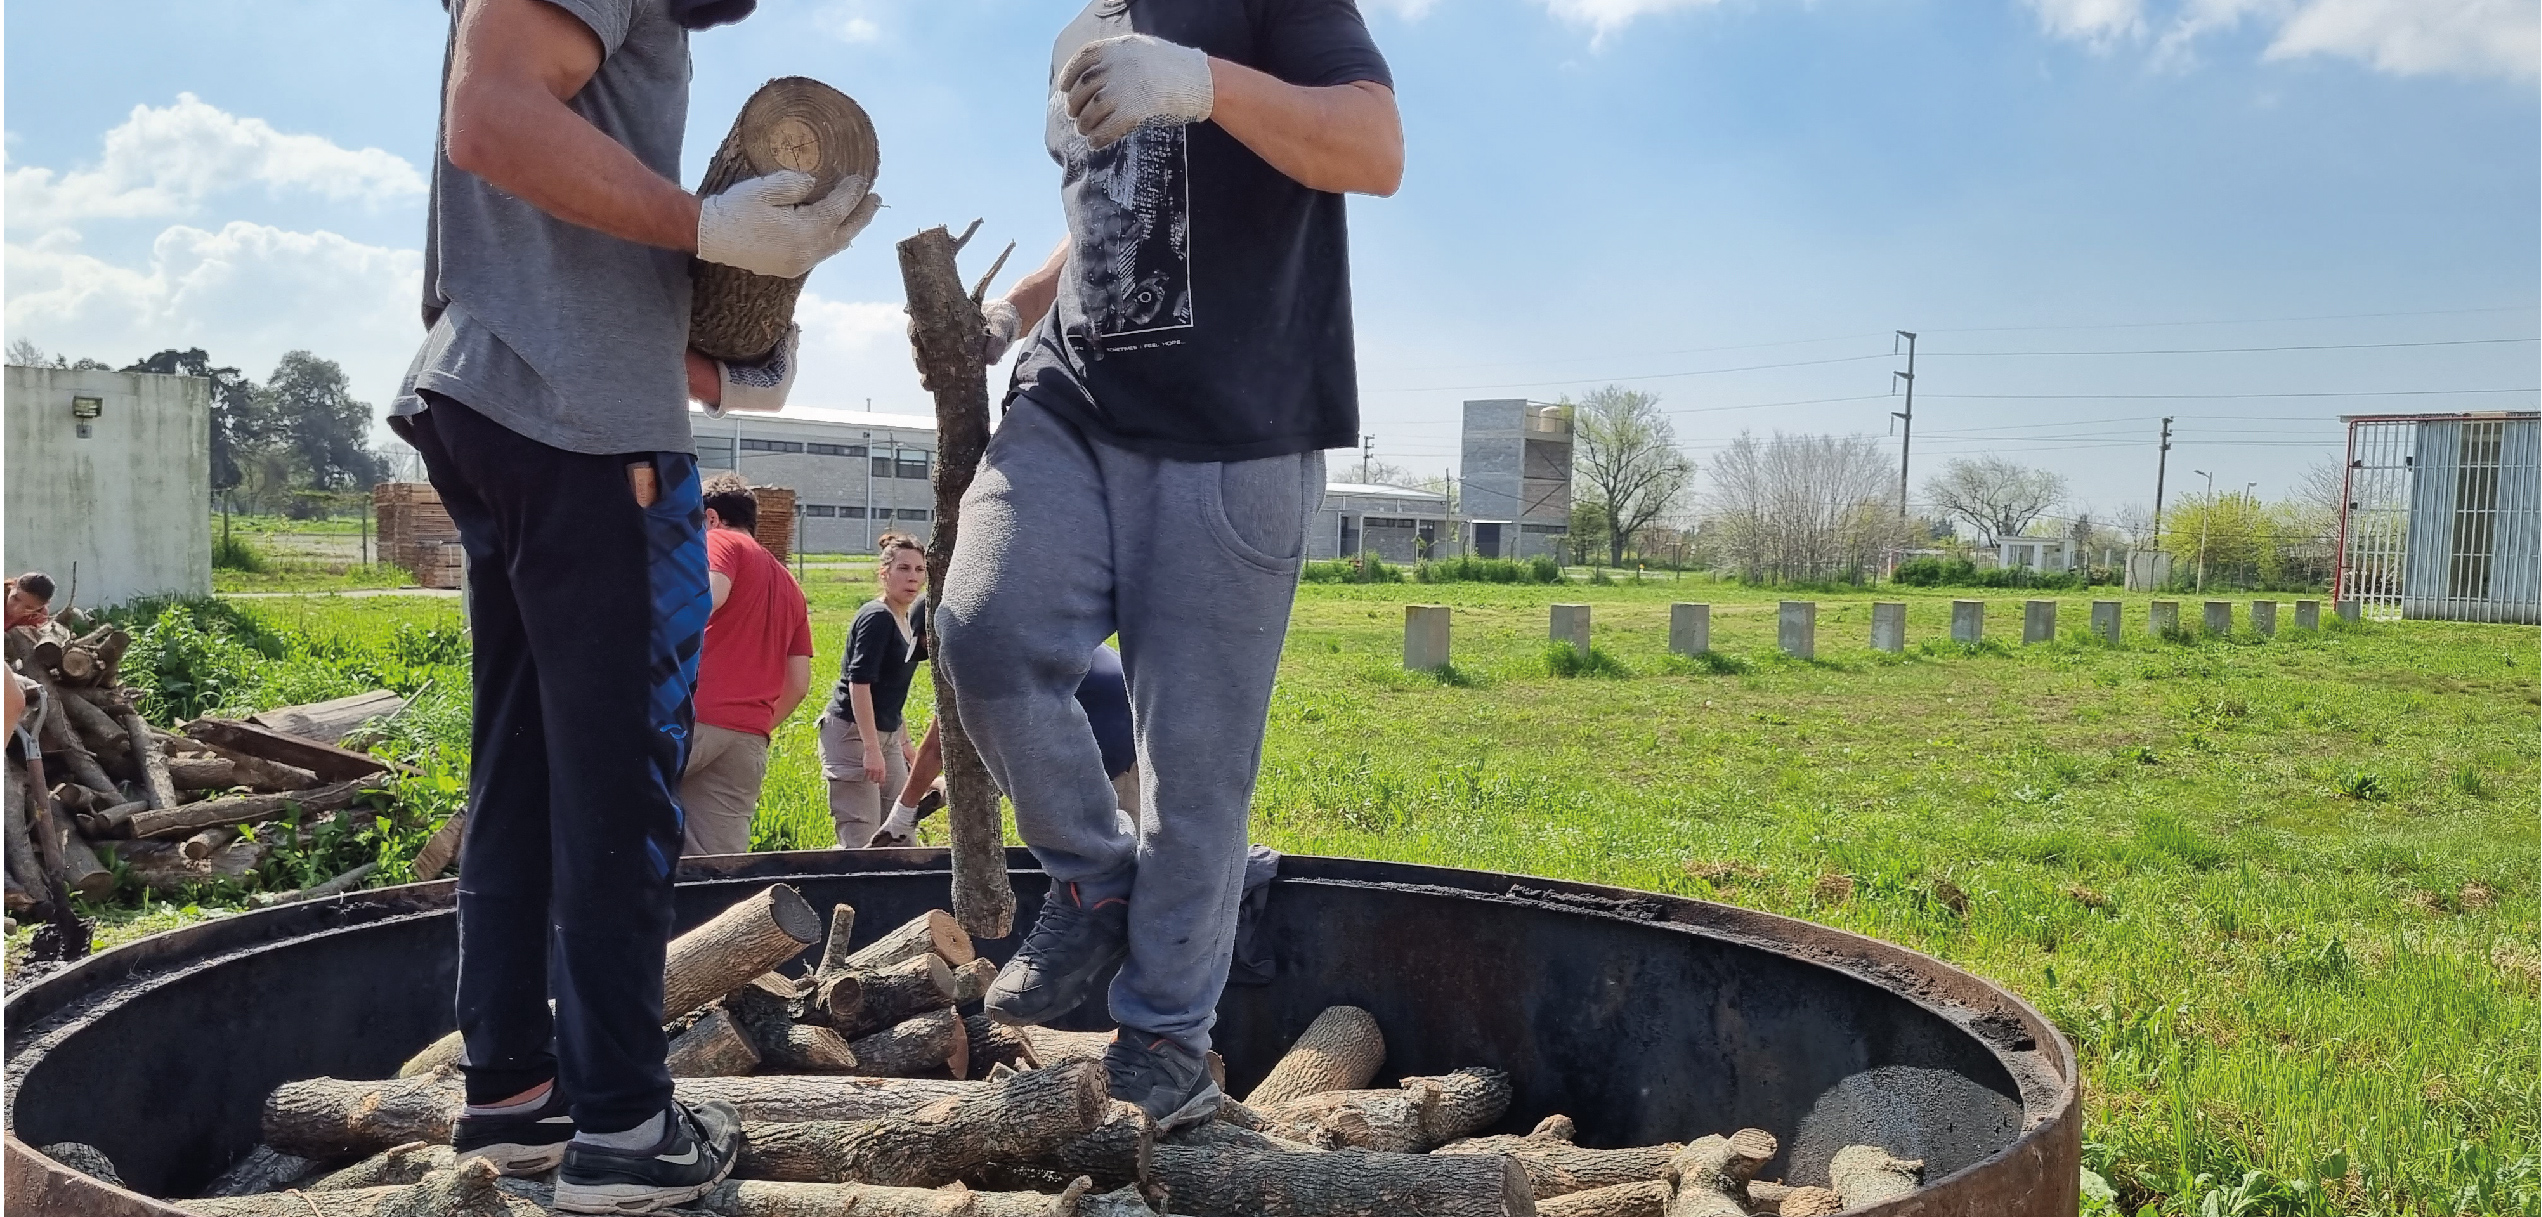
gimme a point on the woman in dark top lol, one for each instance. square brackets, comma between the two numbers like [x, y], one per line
[865, 750]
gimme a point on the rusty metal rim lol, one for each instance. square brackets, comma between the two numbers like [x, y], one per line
[2041, 1157]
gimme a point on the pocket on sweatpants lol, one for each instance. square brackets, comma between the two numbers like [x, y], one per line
[1264, 504]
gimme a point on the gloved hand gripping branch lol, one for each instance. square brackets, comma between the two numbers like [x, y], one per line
[1115, 85]
[760, 386]
[770, 226]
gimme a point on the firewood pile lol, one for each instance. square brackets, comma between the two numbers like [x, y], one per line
[775, 530]
[169, 805]
[416, 533]
[868, 1085]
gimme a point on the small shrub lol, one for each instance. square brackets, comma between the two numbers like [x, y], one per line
[183, 670]
[2165, 833]
[1562, 659]
[1707, 663]
[1367, 568]
[1488, 570]
[2469, 781]
[2365, 786]
[1599, 578]
[238, 554]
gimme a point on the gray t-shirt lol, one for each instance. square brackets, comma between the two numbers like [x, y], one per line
[562, 333]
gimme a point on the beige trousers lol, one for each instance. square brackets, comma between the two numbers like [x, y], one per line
[719, 791]
[857, 806]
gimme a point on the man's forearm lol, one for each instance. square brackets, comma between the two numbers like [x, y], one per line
[1345, 138]
[1033, 294]
[798, 683]
[923, 771]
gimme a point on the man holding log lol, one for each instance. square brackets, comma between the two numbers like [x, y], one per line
[549, 401]
[1190, 358]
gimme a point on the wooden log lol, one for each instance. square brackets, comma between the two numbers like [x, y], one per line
[1645, 1199]
[332, 1118]
[1713, 1172]
[1340, 1050]
[1118, 1152]
[795, 123]
[114, 821]
[835, 998]
[162, 867]
[468, 1190]
[766, 1010]
[713, 1046]
[87, 877]
[79, 665]
[202, 844]
[894, 995]
[201, 772]
[1224, 1182]
[27, 883]
[84, 1158]
[326, 761]
[834, 948]
[945, 329]
[441, 848]
[97, 726]
[262, 1170]
[1053, 1047]
[1023, 1116]
[348, 881]
[1123, 1202]
[783, 1099]
[932, 932]
[26, 786]
[1866, 1174]
[932, 1041]
[766, 1198]
[994, 1043]
[330, 721]
[183, 821]
[42, 649]
[156, 787]
[1783, 1201]
[971, 982]
[108, 644]
[255, 772]
[407, 1163]
[1424, 1113]
[1586, 1168]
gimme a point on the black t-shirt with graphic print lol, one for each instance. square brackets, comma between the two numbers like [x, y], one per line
[1205, 310]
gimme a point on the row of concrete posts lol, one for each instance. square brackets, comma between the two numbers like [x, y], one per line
[1425, 626]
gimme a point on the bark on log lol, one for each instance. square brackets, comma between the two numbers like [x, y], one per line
[240, 809]
[332, 1118]
[156, 788]
[1119, 1152]
[712, 1047]
[346, 882]
[201, 844]
[1784, 1201]
[108, 644]
[1213, 1182]
[1424, 1113]
[763, 1198]
[26, 785]
[470, 1190]
[330, 721]
[1022, 1117]
[1645, 1199]
[789, 123]
[201, 772]
[441, 848]
[921, 1045]
[971, 982]
[27, 885]
[81, 871]
[894, 995]
[161, 867]
[96, 727]
[256, 772]
[1713, 1173]
[1124, 1202]
[79, 665]
[994, 1043]
[1340, 1050]
[1587, 1168]
[1052, 1047]
[835, 998]
[407, 1163]
[86, 1159]
[111, 822]
[946, 330]
[834, 948]
[328, 762]
[1866, 1174]
[802, 1048]
[932, 932]
[262, 1170]
[786, 1099]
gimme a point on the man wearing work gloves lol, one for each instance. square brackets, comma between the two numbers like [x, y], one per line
[550, 404]
[1189, 360]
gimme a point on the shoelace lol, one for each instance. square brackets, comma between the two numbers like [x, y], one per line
[1057, 926]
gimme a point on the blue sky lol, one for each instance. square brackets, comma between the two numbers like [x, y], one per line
[1730, 203]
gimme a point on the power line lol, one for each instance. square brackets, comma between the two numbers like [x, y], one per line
[2139, 325]
[1538, 384]
[2219, 396]
[2315, 346]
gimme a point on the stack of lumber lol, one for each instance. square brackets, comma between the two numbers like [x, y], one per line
[776, 520]
[866, 1089]
[169, 805]
[416, 533]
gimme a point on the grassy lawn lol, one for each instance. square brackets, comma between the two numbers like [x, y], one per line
[2281, 893]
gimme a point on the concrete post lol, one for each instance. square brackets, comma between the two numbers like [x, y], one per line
[1888, 626]
[1689, 628]
[2308, 614]
[2164, 620]
[1425, 637]
[2038, 621]
[1797, 628]
[2264, 617]
[2219, 618]
[1968, 621]
[2349, 611]
[1571, 625]
[2106, 615]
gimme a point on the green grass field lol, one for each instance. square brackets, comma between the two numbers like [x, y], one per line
[2281, 893]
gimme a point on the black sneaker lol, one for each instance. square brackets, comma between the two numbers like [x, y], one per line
[1172, 1086]
[1057, 966]
[695, 1154]
[527, 1142]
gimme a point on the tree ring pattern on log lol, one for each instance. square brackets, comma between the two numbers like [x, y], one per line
[796, 123]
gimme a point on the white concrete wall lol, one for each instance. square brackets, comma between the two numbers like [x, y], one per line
[130, 504]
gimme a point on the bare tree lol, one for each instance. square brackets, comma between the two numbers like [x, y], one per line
[24, 353]
[1803, 506]
[1997, 497]
[2319, 496]
[1624, 451]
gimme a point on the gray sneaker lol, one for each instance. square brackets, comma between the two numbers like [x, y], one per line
[1172, 1086]
[698, 1148]
[1070, 946]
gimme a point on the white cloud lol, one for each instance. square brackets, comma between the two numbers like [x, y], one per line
[849, 20]
[854, 350]
[2098, 22]
[246, 294]
[165, 162]
[1605, 17]
[2400, 37]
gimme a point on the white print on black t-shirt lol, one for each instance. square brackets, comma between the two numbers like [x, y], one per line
[1134, 230]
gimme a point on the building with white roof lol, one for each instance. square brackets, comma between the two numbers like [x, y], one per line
[855, 475]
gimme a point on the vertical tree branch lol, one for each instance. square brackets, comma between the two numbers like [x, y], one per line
[945, 328]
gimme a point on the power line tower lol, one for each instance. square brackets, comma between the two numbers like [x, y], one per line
[1367, 453]
[1906, 435]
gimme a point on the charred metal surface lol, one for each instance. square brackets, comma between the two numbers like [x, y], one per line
[1643, 1017]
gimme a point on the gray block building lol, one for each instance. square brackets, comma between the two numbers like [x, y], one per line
[1516, 478]
[1396, 523]
[855, 475]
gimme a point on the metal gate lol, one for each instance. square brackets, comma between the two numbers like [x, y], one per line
[2442, 518]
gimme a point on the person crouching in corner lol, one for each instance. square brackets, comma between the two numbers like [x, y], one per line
[865, 751]
[753, 671]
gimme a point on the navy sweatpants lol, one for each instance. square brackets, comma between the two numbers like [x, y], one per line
[588, 611]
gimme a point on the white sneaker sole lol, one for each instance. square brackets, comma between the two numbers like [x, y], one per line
[1201, 1107]
[517, 1161]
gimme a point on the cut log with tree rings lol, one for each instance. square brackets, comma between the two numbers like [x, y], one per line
[791, 123]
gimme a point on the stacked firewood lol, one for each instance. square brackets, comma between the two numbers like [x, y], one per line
[416, 533]
[866, 1089]
[170, 806]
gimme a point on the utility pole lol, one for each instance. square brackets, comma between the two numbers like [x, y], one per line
[1906, 434]
[2162, 465]
[1367, 453]
[2206, 515]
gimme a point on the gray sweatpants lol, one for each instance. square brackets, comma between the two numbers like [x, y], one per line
[1066, 540]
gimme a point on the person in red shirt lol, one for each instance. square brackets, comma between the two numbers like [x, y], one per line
[30, 599]
[754, 670]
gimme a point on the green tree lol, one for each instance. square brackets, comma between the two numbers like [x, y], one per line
[317, 420]
[1588, 532]
[1624, 454]
[238, 427]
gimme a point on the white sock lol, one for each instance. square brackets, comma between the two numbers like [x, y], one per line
[535, 1098]
[903, 820]
[642, 1136]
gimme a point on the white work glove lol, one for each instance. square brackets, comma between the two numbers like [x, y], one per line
[999, 326]
[768, 227]
[1114, 85]
[903, 821]
[760, 386]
